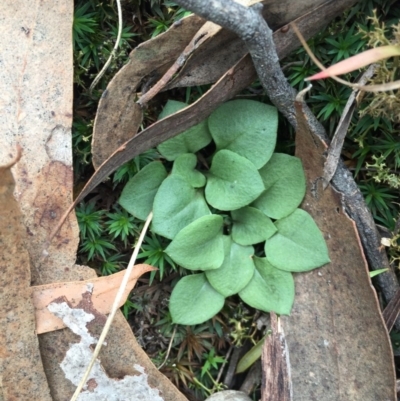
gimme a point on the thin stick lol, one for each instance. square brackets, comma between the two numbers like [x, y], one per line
[221, 369]
[114, 307]
[169, 348]
[197, 40]
[366, 88]
[314, 59]
[101, 73]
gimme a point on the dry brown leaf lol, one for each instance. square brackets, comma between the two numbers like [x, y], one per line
[118, 116]
[21, 370]
[103, 295]
[338, 344]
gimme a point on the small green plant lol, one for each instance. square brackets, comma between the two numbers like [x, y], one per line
[155, 255]
[215, 217]
[211, 361]
[121, 225]
[165, 16]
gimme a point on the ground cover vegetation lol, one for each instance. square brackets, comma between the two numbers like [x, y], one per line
[108, 232]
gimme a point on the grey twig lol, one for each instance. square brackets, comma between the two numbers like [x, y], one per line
[251, 27]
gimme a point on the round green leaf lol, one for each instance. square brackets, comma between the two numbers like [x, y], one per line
[193, 300]
[270, 289]
[199, 246]
[138, 194]
[184, 165]
[285, 186]
[245, 127]
[251, 226]
[190, 141]
[176, 205]
[298, 245]
[236, 270]
[233, 181]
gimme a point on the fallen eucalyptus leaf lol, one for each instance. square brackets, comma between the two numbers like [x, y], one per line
[118, 116]
[104, 292]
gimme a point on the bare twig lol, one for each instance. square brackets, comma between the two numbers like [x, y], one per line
[335, 148]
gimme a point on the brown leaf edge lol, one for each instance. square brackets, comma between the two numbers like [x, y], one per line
[103, 295]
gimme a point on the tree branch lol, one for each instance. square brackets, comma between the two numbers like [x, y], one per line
[251, 27]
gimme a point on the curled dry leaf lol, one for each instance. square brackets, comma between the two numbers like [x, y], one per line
[103, 295]
[118, 116]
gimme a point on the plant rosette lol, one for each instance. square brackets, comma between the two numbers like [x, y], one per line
[248, 198]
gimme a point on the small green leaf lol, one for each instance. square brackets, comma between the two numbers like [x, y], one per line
[285, 186]
[236, 270]
[298, 245]
[193, 300]
[176, 205]
[190, 141]
[245, 127]
[233, 181]
[138, 194]
[184, 165]
[270, 289]
[199, 246]
[250, 357]
[251, 226]
[377, 272]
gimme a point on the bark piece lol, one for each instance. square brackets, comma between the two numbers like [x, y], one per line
[338, 343]
[22, 375]
[36, 108]
[276, 380]
[229, 395]
[99, 385]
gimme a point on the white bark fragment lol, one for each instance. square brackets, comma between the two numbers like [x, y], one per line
[99, 386]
